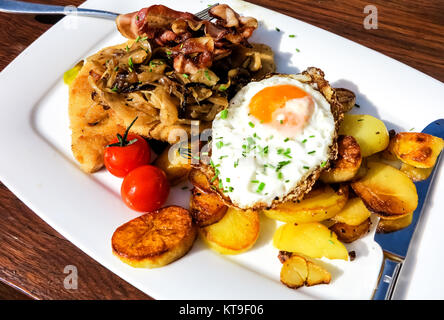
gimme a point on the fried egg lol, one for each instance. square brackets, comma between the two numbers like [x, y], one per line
[272, 136]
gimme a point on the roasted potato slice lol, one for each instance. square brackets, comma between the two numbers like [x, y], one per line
[416, 174]
[175, 162]
[235, 233]
[318, 205]
[354, 213]
[206, 208]
[370, 132]
[417, 149]
[298, 271]
[386, 190]
[348, 163]
[155, 239]
[389, 224]
[349, 233]
[199, 180]
[294, 272]
[309, 239]
[346, 98]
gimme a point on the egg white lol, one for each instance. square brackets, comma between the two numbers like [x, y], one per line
[257, 163]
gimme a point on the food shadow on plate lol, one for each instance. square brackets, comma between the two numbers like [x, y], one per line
[273, 38]
[267, 229]
[366, 106]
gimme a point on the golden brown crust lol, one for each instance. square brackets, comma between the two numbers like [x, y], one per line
[347, 233]
[93, 126]
[156, 238]
[206, 208]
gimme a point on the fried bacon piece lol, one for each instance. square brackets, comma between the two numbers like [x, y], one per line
[193, 43]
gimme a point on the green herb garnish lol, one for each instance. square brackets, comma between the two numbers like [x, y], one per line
[123, 142]
[224, 114]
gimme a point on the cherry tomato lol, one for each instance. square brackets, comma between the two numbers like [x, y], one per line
[121, 160]
[145, 188]
[126, 153]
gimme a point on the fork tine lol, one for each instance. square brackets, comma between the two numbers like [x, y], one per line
[204, 14]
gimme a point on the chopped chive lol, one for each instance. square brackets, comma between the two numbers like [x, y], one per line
[312, 152]
[286, 139]
[222, 87]
[137, 18]
[304, 141]
[306, 168]
[236, 163]
[281, 164]
[281, 121]
[312, 136]
[331, 242]
[251, 124]
[185, 76]
[297, 50]
[130, 62]
[254, 181]
[224, 114]
[114, 89]
[323, 163]
[287, 181]
[280, 175]
[127, 48]
[278, 30]
[207, 75]
[116, 68]
[291, 36]
[219, 144]
[261, 187]
[221, 157]
[138, 38]
[228, 179]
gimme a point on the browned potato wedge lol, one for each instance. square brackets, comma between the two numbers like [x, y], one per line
[386, 190]
[294, 272]
[390, 225]
[206, 208]
[370, 132]
[298, 271]
[175, 163]
[416, 174]
[313, 240]
[317, 274]
[155, 239]
[417, 149]
[346, 98]
[199, 180]
[318, 205]
[348, 162]
[347, 233]
[235, 233]
[354, 213]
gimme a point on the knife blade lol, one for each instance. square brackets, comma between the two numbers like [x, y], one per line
[395, 245]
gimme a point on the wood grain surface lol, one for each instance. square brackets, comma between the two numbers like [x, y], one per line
[33, 255]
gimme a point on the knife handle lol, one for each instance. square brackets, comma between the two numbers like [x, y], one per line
[387, 277]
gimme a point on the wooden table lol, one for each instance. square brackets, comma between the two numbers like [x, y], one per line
[33, 255]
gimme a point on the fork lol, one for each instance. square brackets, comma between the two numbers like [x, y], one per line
[11, 6]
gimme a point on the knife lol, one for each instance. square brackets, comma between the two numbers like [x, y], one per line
[395, 245]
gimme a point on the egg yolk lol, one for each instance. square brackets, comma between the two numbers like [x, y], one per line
[282, 105]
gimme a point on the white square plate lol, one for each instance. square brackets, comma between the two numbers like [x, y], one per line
[86, 209]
